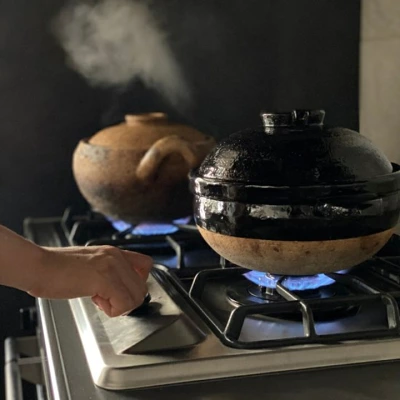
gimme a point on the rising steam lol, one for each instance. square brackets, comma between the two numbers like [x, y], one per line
[113, 42]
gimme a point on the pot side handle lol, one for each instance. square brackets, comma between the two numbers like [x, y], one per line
[151, 161]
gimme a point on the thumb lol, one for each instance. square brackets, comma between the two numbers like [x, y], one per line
[101, 303]
[141, 263]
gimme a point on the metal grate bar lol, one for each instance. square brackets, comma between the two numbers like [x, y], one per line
[306, 312]
[202, 277]
[230, 333]
[178, 250]
[353, 282]
[392, 307]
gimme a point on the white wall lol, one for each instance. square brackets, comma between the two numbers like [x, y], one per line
[380, 75]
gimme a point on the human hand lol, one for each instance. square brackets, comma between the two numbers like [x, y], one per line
[115, 279]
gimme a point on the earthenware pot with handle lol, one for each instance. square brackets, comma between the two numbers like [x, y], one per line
[138, 170]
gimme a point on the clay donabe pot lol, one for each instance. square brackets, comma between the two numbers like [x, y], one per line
[295, 197]
[137, 170]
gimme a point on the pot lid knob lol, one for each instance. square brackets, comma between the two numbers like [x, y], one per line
[295, 118]
[153, 117]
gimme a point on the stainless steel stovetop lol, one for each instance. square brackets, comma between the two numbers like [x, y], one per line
[200, 324]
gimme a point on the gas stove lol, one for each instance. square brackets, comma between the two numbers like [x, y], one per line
[207, 319]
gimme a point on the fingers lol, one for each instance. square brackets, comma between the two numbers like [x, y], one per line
[108, 308]
[105, 306]
[133, 282]
[100, 302]
[115, 279]
[116, 300]
[141, 263]
[122, 288]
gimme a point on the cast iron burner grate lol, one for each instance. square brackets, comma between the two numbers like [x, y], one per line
[247, 293]
[360, 294]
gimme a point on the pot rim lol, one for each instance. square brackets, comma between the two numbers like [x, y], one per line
[327, 219]
[375, 187]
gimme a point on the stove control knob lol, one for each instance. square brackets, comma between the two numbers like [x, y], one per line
[28, 319]
[143, 308]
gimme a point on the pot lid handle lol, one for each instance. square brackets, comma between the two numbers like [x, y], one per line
[295, 118]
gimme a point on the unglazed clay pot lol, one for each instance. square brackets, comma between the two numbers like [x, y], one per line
[137, 171]
[296, 198]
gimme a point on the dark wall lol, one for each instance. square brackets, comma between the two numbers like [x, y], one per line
[239, 56]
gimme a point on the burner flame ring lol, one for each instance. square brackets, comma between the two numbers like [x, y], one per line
[295, 283]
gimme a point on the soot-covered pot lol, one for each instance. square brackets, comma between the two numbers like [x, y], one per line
[137, 170]
[295, 197]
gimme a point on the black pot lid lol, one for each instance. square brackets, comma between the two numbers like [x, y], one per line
[295, 149]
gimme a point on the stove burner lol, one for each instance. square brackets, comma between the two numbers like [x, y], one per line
[250, 291]
[149, 228]
[295, 283]
[263, 292]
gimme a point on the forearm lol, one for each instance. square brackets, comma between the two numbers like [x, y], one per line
[115, 279]
[20, 260]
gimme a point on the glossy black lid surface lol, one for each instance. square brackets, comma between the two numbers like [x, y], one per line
[295, 149]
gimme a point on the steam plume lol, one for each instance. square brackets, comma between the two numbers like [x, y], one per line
[113, 42]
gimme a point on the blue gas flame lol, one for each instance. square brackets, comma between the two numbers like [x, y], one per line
[289, 282]
[120, 226]
[149, 228]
